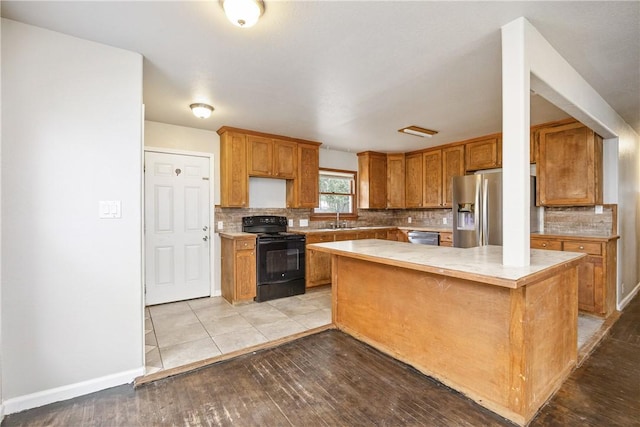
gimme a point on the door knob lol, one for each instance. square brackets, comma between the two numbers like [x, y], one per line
[205, 238]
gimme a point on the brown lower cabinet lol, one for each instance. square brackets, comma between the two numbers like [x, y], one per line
[446, 238]
[596, 274]
[238, 267]
[318, 264]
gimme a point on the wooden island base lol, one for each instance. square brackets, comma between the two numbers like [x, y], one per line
[508, 349]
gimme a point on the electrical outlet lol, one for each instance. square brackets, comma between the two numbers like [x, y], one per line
[598, 210]
[220, 225]
[409, 220]
[290, 223]
[304, 223]
[444, 220]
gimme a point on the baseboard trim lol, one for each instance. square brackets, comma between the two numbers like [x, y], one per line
[622, 304]
[70, 391]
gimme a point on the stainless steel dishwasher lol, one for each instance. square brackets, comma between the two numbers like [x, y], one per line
[424, 238]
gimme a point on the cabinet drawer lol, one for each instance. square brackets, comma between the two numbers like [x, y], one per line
[319, 238]
[446, 238]
[584, 247]
[551, 245]
[245, 244]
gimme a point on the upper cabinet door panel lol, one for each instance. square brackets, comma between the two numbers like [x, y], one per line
[569, 166]
[483, 154]
[413, 180]
[284, 159]
[260, 156]
[432, 172]
[452, 165]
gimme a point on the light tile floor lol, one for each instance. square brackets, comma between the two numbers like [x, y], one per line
[189, 331]
[587, 327]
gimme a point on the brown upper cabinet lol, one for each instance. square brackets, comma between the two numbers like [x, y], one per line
[234, 179]
[245, 153]
[413, 180]
[271, 158]
[428, 176]
[372, 180]
[395, 181]
[452, 165]
[303, 190]
[484, 153]
[569, 166]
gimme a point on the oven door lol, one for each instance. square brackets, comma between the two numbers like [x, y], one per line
[280, 261]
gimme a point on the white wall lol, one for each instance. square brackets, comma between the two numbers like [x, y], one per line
[1, 400]
[335, 159]
[72, 316]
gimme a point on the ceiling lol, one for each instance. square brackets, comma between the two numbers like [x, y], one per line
[351, 73]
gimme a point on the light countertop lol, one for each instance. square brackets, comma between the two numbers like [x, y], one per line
[481, 264]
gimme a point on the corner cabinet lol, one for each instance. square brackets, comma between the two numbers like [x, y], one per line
[596, 274]
[569, 166]
[245, 153]
[238, 267]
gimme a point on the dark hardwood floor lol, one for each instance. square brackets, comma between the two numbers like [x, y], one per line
[331, 379]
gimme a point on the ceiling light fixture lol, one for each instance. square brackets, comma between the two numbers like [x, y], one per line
[201, 111]
[243, 13]
[418, 131]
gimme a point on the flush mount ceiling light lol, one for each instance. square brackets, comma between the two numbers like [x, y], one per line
[418, 131]
[201, 111]
[243, 13]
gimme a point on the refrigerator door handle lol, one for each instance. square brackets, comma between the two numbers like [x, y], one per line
[478, 214]
[485, 217]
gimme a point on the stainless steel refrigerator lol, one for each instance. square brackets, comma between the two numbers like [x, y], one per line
[477, 210]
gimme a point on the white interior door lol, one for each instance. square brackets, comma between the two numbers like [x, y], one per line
[177, 265]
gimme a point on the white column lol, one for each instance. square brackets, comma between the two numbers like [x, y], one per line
[515, 145]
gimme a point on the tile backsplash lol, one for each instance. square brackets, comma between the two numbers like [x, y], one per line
[560, 220]
[581, 220]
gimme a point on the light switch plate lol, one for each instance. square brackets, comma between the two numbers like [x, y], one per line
[110, 209]
[304, 223]
[290, 223]
[220, 225]
[444, 220]
[598, 209]
[409, 220]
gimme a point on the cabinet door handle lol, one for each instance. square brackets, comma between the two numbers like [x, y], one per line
[581, 247]
[544, 245]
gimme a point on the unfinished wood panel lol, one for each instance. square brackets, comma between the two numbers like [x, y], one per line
[551, 351]
[234, 179]
[432, 179]
[395, 181]
[478, 339]
[413, 180]
[569, 166]
[372, 180]
[430, 321]
[452, 165]
[483, 154]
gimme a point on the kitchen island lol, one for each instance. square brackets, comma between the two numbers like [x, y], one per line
[504, 336]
